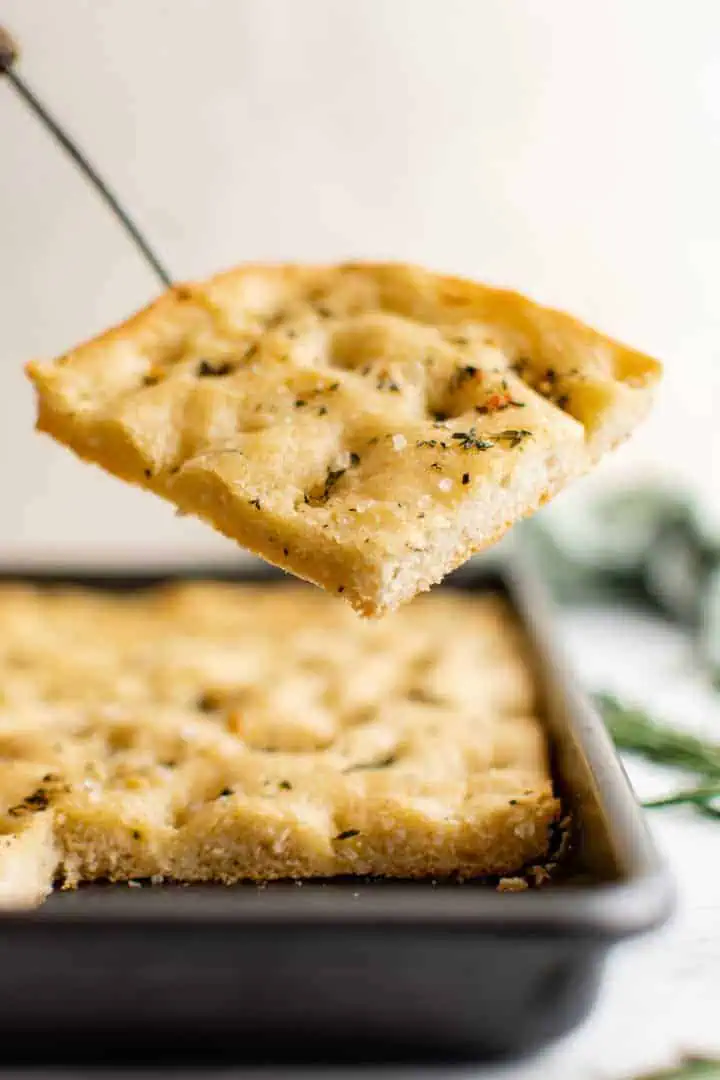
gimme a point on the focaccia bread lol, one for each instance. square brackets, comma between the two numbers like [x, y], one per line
[219, 732]
[367, 427]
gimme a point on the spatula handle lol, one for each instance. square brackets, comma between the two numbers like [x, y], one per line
[9, 53]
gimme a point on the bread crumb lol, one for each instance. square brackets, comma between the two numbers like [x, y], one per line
[512, 884]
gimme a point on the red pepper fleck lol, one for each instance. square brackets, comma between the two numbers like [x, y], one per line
[498, 401]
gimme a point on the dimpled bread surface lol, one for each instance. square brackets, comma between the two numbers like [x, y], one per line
[365, 426]
[209, 732]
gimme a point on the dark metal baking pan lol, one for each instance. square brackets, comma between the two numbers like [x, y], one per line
[348, 969]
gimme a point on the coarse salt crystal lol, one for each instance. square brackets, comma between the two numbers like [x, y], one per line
[445, 484]
[399, 442]
[92, 790]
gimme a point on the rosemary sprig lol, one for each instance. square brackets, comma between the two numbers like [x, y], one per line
[635, 731]
[700, 796]
[692, 1068]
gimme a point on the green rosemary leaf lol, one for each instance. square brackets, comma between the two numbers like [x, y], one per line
[700, 796]
[637, 732]
[634, 731]
[691, 1068]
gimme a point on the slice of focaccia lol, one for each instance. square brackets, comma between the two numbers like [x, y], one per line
[367, 427]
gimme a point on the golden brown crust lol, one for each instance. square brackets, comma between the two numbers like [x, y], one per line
[366, 426]
[224, 732]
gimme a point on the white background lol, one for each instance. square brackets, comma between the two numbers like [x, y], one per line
[570, 149]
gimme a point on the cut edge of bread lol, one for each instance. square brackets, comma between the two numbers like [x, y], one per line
[29, 862]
